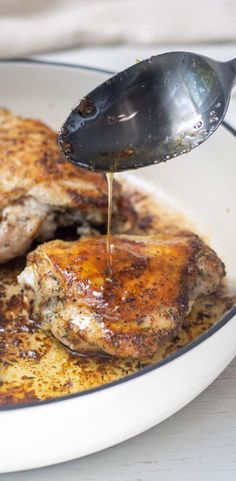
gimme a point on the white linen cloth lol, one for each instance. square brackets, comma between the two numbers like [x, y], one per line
[33, 26]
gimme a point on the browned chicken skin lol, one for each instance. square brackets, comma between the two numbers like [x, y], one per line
[40, 191]
[153, 285]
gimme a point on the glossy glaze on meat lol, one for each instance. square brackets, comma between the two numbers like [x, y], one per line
[154, 282]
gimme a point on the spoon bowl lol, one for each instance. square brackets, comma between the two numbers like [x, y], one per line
[151, 112]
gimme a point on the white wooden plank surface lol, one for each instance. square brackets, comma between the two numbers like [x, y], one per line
[199, 442]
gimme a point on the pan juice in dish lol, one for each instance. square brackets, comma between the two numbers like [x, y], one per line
[36, 366]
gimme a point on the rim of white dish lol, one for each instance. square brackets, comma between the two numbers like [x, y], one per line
[225, 319]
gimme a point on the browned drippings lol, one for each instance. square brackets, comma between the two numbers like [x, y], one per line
[35, 366]
[86, 107]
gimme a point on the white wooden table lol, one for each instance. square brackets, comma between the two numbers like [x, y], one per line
[199, 442]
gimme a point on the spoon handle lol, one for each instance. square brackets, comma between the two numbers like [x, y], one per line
[233, 66]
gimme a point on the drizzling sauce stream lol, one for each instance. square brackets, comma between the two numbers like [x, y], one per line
[110, 177]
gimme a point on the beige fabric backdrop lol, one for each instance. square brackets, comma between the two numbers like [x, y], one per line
[31, 26]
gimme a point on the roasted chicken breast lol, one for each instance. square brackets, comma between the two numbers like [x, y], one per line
[130, 311]
[40, 191]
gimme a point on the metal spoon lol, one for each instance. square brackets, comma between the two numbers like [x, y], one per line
[155, 110]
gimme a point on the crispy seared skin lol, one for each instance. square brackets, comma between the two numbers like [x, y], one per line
[38, 187]
[153, 285]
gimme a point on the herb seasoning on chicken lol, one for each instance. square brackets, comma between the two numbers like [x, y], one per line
[155, 281]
